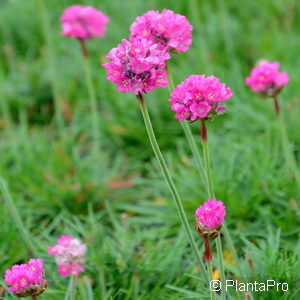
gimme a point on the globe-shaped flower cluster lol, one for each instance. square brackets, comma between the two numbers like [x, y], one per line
[169, 30]
[211, 213]
[83, 22]
[137, 66]
[266, 79]
[199, 97]
[26, 279]
[69, 255]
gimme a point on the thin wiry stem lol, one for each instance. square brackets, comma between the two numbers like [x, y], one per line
[51, 61]
[221, 264]
[208, 259]
[210, 274]
[16, 217]
[169, 180]
[188, 133]
[209, 182]
[211, 194]
[92, 99]
[286, 145]
[73, 282]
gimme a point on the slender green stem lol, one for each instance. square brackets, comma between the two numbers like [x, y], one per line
[51, 61]
[169, 181]
[89, 291]
[5, 111]
[194, 148]
[16, 217]
[102, 281]
[208, 171]
[289, 155]
[188, 133]
[211, 194]
[211, 277]
[232, 250]
[5, 106]
[95, 134]
[248, 296]
[34, 297]
[170, 77]
[73, 286]
[92, 98]
[207, 256]
[221, 264]
[209, 182]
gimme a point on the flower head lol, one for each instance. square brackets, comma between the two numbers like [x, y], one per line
[66, 270]
[209, 218]
[211, 213]
[26, 279]
[83, 22]
[199, 97]
[69, 255]
[266, 79]
[169, 30]
[137, 66]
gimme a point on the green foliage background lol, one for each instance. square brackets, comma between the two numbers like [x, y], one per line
[119, 204]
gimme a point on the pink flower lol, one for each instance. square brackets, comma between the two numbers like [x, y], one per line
[199, 97]
[26, 279]
[83, 22]
[171, 31]
[66, 270]
[69, 255]
[211, 214]
[266, 79]
[137, 66]
[52, 250]
[64, 240]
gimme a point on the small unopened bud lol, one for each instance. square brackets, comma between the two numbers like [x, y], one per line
[207, 233]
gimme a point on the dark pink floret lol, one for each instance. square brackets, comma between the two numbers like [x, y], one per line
[211, 214]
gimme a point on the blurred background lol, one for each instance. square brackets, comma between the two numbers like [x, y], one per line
[118, 203]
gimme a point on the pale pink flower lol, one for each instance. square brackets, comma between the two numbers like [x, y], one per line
[266, 79]
[64, 240]
[83, 22]
[199, 97]
[26, 279]
[137, 66]
[211, 214]
[169, 30]
[52, 250]
[70, 269]
[69, 255]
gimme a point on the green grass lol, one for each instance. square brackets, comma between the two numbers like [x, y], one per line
[136, 245]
